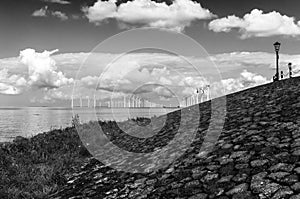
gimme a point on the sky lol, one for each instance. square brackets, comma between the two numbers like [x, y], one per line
[54, 49]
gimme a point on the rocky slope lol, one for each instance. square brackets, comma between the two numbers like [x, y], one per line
[256, 156]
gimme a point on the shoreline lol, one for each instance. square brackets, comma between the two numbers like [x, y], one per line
[49, 120]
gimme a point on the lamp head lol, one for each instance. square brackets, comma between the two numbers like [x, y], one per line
[277, 46]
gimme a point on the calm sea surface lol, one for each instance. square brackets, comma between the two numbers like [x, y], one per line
[29, 121]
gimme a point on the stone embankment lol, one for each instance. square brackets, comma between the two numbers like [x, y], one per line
[256, 155]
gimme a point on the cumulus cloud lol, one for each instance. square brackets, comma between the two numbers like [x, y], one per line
[42, 69]
[258, 24]
[244, 81]
[62, 16]
[58, 1]
[164, 92]
[44, 12]
[9, 89]
[136, 72]
[16, 79]
[57, 94]
[148, 13]
[250, 78]
[228, 63]
[11, 84]
[131, 73]
[262, 62]
[158, 81]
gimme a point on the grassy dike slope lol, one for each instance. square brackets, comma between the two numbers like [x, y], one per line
[38, 166]
[256, 156]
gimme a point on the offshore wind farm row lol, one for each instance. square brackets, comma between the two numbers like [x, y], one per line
[132, 101]
[200, 95]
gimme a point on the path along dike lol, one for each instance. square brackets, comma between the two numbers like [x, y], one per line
[256, 155]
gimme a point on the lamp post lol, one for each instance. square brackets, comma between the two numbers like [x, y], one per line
[277, 48]
[290, 70]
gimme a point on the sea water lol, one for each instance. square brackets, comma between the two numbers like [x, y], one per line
[29, 121]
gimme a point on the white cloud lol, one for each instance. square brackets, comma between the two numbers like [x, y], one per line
[125, 75]
[89, 81]
[42, 69]
[258, 24]
[62, 16]
[57, 94]
[5, 77]
[251, 78]
[228, 63]
[9, 89]
[163, 92]
[244, 81]
[131, 72]
[11, 84]
[132, 77]
[262, 62]
[41, 12]
[58, 1]
[148, 13]
[44, 12]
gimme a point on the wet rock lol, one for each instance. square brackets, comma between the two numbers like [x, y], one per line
[244, 159]
[291, 179]
[213, 167]
[227, 169]
[262, 186]
[170, 170]
[151, 182]
[220, 197]
[258, 181]
[238, 189]
[296, 152]
[240, 177]
[296, 187]
[192, 184]
[225, 161]
[210, 176]
[244, 195]
[283, 155]
[199, 196]
[282, 193]
[238, 154]
[278, 175]
[269, 189]
[202, 154]
[225, 179]
[258, 163]
[198, 173]
[241, 166]
[297, 170]
[282, 167]
[227, 146]
[295, 197]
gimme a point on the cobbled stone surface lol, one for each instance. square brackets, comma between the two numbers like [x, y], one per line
[256, 155]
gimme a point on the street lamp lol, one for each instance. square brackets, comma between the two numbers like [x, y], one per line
[290, 70]
[277, 48]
